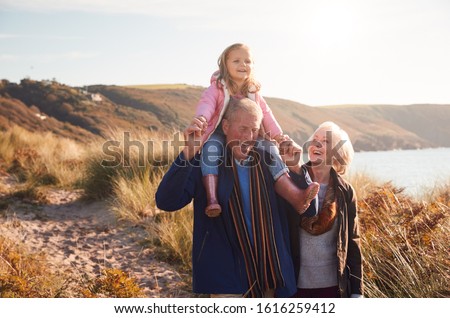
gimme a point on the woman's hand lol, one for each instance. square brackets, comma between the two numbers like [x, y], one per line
[291, 153]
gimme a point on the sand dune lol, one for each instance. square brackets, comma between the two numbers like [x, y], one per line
[80, 238]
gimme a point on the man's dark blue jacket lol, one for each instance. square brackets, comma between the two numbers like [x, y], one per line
[217, 261]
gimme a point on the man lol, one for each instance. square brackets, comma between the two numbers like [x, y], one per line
[244, 252]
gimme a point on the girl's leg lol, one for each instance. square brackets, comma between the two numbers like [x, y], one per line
[212, 152]
[299, 196]
[303, 183]
[300, 199]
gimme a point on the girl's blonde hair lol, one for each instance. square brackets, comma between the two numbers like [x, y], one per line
[251, 85]
[345, 151]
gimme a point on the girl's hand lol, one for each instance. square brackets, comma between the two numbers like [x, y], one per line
[201, 122]
[193, 137]
[280, 138]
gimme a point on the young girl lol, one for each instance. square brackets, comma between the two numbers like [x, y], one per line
[235, 79]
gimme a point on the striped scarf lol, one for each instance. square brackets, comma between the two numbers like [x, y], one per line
[261, 259]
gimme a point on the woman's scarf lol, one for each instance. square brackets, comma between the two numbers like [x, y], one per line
[261, 259]
[324, 220]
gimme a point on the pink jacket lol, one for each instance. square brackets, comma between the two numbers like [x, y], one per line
[212, 106]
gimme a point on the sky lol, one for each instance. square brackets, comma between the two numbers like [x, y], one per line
[316, 52]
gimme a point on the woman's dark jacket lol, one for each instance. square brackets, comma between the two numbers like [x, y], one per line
[349, 271]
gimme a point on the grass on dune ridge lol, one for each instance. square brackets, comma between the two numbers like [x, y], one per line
[42, 159]
[405, 240]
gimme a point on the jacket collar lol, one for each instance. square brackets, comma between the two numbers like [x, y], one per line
[337, 179]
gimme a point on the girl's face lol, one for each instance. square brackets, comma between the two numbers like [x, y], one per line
[239, 64]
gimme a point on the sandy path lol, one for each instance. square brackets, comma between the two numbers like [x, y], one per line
[82, 238]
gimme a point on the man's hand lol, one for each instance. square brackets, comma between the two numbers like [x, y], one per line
[291, 153]
[193, 136]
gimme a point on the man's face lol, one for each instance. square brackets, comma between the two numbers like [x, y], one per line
[241, 132]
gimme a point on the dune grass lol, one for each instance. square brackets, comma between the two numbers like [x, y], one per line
[405, 244]
[42, 158]
[128, 173]
[171, 233]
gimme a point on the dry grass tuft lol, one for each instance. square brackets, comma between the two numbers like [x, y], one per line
[27, 275]
[113, 283]
[172, 234]
[134, 195]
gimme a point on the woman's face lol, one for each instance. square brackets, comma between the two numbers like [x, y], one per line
[319, 147]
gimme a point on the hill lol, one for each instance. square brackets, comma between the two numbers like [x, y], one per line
[83, 115]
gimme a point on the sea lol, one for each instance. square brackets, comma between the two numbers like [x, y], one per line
[418, 171]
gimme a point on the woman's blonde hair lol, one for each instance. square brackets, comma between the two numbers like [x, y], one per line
[251, 85]
[345, 151]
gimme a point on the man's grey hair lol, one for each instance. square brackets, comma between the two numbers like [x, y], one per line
[245, 104]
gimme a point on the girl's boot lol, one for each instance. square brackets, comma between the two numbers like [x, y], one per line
[213, 208]
[300, 199]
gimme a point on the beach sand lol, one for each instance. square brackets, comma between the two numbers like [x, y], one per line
[82, 238]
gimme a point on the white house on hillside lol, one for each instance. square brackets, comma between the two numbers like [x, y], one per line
[96, 97]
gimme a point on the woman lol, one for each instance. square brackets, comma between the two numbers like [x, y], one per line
[325, 248]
